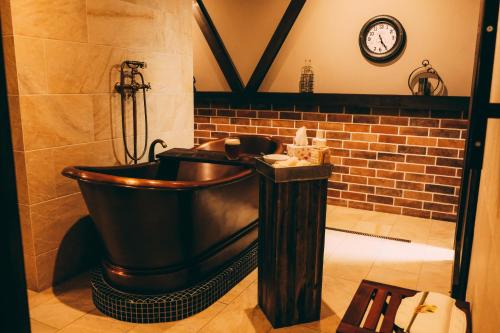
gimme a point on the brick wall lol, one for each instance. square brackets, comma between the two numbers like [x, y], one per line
[391, 160]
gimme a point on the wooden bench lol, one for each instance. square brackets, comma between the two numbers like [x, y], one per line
[378, 293]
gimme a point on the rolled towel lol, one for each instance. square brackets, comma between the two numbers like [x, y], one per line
[430, 312]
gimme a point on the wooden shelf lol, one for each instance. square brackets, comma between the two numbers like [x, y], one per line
[455, 103]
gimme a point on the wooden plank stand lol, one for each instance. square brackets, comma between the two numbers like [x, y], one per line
[291, 242]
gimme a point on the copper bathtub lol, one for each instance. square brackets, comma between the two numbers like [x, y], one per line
[162, 232]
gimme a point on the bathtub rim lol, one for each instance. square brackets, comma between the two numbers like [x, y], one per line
[78, 173]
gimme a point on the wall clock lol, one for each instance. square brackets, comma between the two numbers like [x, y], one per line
[382, 38]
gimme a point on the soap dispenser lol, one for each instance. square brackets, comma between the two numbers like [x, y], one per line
[319, 140]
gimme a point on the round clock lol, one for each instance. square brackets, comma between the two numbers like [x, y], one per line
[382, 38]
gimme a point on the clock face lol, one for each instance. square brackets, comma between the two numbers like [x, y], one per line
[382, 38]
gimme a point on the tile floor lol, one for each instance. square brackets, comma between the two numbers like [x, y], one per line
[425, 263]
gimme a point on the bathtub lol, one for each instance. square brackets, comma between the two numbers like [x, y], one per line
[165, 231]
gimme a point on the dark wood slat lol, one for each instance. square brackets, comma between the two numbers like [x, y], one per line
[348, 328]
[474, 148]
[217, 46]
[356, 310]
[376, 310]
[390, 313]
[452, 103]
[274, 45]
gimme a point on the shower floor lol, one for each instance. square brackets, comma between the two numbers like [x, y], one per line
[424, 264]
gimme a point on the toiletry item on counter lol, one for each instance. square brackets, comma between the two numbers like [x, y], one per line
[273, 158]
[291, 162]
[321, 153]
[318, 153]
[301, 137]
[300, 147]
[319, 140]
[300, 152]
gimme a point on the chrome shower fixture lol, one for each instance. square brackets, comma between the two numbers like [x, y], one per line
[128, 88]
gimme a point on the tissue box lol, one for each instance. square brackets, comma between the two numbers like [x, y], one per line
[301, 152]
[320, 155]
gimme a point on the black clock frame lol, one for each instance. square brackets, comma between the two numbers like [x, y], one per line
[392, 53]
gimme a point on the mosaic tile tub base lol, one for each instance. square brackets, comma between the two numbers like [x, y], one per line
[174, 305]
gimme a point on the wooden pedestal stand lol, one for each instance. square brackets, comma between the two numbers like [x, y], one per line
[291, 242]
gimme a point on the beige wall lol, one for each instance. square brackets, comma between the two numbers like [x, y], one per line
[61, 59]
[495, 83]
[484, 276]
[327, 31]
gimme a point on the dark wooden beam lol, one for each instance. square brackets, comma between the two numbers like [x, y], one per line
[474, 149]
[494, 110]
[449, 103]
[217, 46]
[272, 49]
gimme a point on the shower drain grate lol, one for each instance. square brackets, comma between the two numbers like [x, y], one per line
[370, 235]
[170, 306]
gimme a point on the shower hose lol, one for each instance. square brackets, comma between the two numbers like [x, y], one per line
[133, 156]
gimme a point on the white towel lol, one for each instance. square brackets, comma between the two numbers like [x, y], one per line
[446, 318]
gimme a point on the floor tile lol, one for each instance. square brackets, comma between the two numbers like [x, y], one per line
[414, 229]
[425, 263]
[239, 288]
[436, 277]
[69, 302]
[242, 315]
[38, 327]
[37, 298]
[188, 325]
[96, 322]
[394, 277]
[337, 294]
[294, 329]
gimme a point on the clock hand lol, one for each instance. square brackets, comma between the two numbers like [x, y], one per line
[382, 41]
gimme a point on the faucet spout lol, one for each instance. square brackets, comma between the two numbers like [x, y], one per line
[151, 154]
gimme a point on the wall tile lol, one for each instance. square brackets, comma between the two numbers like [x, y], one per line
[68, 156]
[26, 233]
[31, 272]
[31, 65]
[54, 19]
[115, 22]
[45, 264]
[21, 178]
[40, 174]
[69, 114]
[52, 219]
[106, 153]
[81, 68]
[10, 64]
[5, 17]
[103, 104]
[15, 123]
[57, 120]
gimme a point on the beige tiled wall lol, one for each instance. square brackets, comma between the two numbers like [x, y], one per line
[484, 278]
[62, 61]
